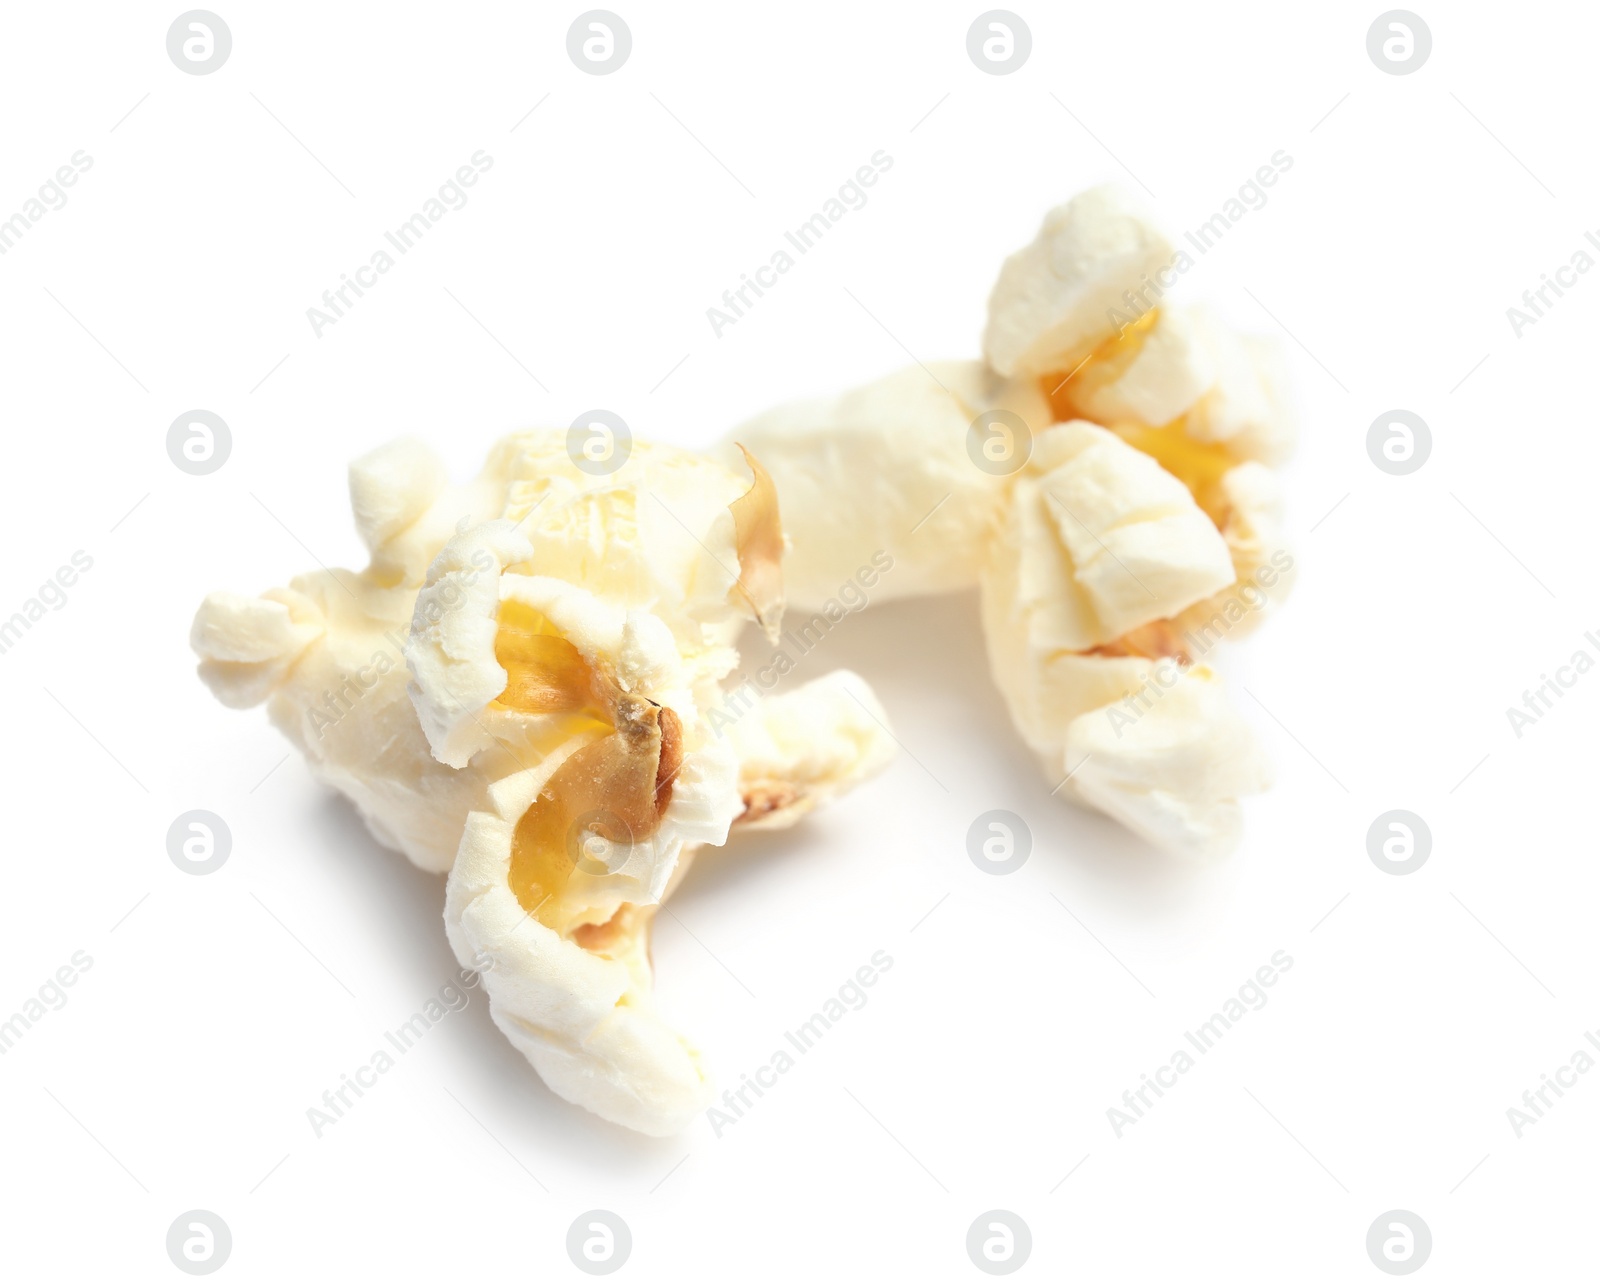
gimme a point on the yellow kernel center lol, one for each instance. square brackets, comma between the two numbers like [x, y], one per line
[1107, 363]
[546, 674]
[1199, 466]
[612, 790]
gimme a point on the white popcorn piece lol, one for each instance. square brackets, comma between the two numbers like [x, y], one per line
[1248, 407]
[557, 881]
[1173, 766]
[1208, 407]
[1241, 497]
[627, 776]
[1098, 541]
[538, 669]
[514, 691]
[335, 686]
[1083, 308]
[1083, 597]
[450, 649]
[887, 468]
[1182, 370]
[392, 487]
[659, 532]
[250, 644]
[1147, 740]
[799, 749]
[578, 1007]
[1152, 382]
[1045, 693]
[334, 674]
[1143, 528]
[1251, 501]
[1058, 298]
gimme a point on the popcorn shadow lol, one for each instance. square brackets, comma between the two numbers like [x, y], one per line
[553, 1139]
[396, 893]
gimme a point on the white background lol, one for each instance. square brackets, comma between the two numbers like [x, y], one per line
[1018, 1010]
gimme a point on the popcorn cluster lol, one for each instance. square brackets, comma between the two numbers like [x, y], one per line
[515, 691]
[525, 687]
